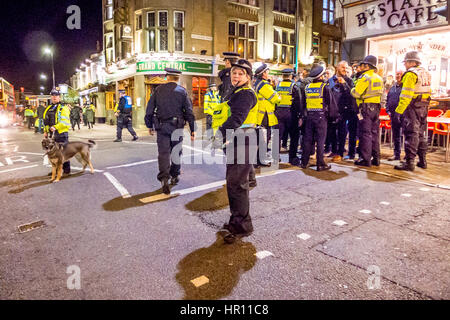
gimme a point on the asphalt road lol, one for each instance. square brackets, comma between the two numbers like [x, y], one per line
[343, 234]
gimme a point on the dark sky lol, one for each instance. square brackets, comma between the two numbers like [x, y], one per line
[28, 25]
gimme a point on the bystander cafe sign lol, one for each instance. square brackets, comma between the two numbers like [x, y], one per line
[184, 66]
[391, 16]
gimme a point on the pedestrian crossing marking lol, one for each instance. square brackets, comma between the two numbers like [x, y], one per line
[200, 281]
[158, 197]
[365, 211]
[263, 254]
[304, 236]
[384, 203]
[340, 223]
[407, 195]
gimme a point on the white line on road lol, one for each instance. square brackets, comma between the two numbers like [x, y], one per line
[16, 169]
[124, 192]
[32, 153]
[134, 142]
[133, 164]
[95, 170]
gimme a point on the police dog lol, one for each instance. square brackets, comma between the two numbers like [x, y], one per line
[58, 153]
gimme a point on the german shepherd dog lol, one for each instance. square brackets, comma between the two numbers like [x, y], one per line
[58, 153]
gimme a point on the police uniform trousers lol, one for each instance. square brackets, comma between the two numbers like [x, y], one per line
[169, 165]
[315, 131]
[396, 129]
[63, 138]
[284, 116]
[294, 132]
[348, 125]
[415, 126]
[331, 142]
[369, 130]
[124, 120]
[239, 167]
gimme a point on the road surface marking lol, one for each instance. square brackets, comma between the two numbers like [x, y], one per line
[365, 211]
[263, 254]
[134, 142]
[125, 194]
[304, 236]
[200, 281]
[22, 168]
[384, 203]
[340, 223]
[424, 189]
[158, 197]
[95, 170]
[32, 153]
[407, 195]
[133, 164]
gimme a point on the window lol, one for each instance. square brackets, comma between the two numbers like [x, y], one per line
[284, 43]
[242, 39]
[151, 20]
[109, 10]
[139, 22]
[285, 6]
[248, 2]
[163, 31]
[328, 11]
[179, 30]
[333, 52]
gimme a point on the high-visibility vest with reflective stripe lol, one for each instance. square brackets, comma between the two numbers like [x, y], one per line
[284, 88]
[223, 111]
[268, 98]
[416, 82]
[29, 113]
[314, 96]
[369, 88]
[62, 118]
[212, 99]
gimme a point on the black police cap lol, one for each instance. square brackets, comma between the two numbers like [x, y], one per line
[261, 69]
[244, 64]
[231, 55]
[172, 72]
[287, 71]
[55, 92]
[370, 60]
[317, 71]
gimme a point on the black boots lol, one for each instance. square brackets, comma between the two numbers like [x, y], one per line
[406, 166]
[165, 186]
[376, 162]
[323, 167]
[422, 162]
[135, 138]
[362, 163]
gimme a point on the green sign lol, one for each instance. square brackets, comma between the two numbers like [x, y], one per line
[184, 66]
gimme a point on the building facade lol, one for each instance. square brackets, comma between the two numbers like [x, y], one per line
[143, 37]
[388, 29]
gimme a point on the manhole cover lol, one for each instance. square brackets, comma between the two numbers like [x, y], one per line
[31, 226]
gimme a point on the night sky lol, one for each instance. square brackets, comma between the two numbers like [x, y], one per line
[28, 25]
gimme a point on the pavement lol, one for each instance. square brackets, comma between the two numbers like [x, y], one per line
[349, 233]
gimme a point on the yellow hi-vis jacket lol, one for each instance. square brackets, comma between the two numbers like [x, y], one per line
[62, 119]
[268, 98]
[314, 96]
[416, 84]
[369, 88]
[212, 99]
[29, 113]
[284, 89]
[223, 112]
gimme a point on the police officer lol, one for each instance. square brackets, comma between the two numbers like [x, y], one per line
[40, 114]
[368, 92]
[288, 112]
[212, 99]
[414, 101]
[57, 123]
[225, 88]
[316, 113]
[123, 113]
[168, 109]
[267, 101]
[243, 106]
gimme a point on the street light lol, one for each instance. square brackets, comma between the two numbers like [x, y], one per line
[43, 77]
[49, 51]
[42, 88]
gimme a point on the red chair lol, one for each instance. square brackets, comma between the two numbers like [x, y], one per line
[385, 124]
[442, 130]
[433, 113]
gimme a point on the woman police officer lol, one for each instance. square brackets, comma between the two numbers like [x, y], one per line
[239, 133]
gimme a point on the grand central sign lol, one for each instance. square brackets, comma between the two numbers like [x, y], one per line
[391, 16]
